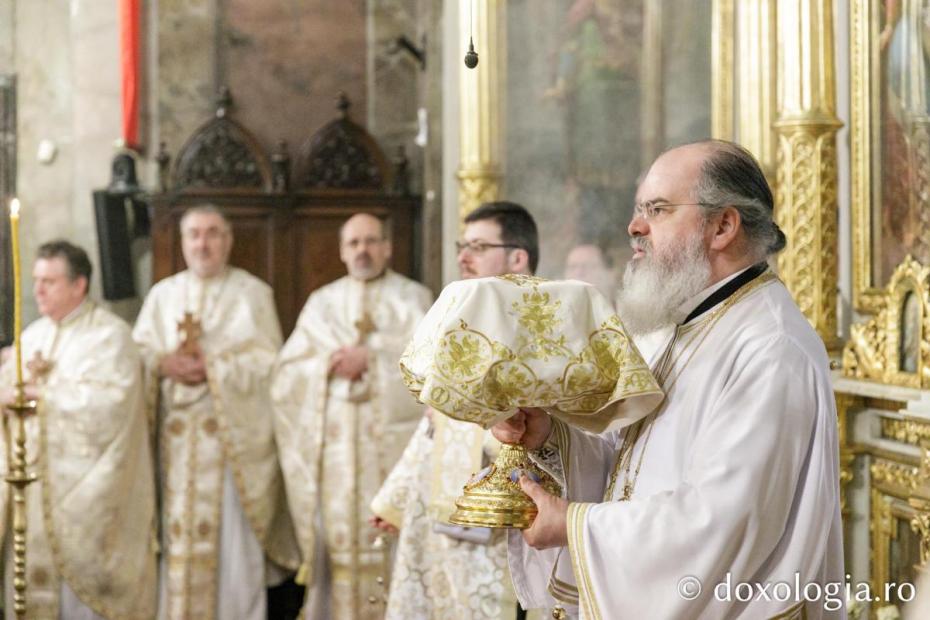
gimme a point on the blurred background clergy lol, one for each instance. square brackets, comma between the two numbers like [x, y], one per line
[91, 514]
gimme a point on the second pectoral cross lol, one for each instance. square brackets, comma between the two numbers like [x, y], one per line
[39, 367]
[365, 326]
[190, 331]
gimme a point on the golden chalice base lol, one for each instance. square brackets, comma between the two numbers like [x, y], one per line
[494, 500]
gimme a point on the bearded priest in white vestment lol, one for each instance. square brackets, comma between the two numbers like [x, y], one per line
[209, 336]
[441, 570]
[734, 478]
[343, 416]
[91, 512]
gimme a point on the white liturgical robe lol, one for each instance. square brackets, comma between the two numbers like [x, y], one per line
[733, 480]
[91, 512]
[339, 438]
[223, 505]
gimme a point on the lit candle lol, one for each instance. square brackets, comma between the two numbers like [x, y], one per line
[17, 289]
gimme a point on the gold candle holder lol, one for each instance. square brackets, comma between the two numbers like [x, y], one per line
[21, 407]
[19, 478]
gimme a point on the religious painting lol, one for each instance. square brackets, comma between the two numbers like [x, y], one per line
[595, 90]
[890, 124]
[909, 341]
[908, 299]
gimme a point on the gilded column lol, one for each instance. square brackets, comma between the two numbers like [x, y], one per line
[844, 403]
[755, 97]
[806, 175]
[723, 27]
[481, 113]
[651, 110]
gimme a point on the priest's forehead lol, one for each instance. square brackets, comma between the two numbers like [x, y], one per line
[362, 224]
[210, 210]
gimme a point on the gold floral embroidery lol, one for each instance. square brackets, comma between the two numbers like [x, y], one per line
[521, 279]
[537, 313]
[469, 376]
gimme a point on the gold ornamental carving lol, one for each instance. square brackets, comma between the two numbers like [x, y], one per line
[806, 210]
[844, 404]
[920, 502]
[806, 175]
[898, 479]
[882, 532]
[893, 346]
[913, 432]
[477, 187]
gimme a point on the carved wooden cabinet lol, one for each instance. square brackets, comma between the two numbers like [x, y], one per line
[288, 236]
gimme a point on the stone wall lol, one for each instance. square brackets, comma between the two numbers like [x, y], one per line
[284, 62]
[66, 62]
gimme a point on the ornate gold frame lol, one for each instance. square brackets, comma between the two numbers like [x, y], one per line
[867, 295]
[893, 485]
[872, 351]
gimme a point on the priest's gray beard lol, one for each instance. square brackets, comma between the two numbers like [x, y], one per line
[657, 285]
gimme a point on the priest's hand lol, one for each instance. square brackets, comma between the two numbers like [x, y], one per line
[377, 522]
[530, 427]
[550, 528]
[8, 395]
[349, 362]
[186, 369]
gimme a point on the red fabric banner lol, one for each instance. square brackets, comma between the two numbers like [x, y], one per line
[129, 64]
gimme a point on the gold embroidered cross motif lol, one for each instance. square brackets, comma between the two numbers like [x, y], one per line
[39, 367]
[190, 331]
[365, 326]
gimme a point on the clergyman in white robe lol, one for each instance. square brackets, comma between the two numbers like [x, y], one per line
[737, 483]
[339, 438]
[226, 532]
[90, 550]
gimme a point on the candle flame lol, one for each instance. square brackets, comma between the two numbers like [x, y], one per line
[14, 207]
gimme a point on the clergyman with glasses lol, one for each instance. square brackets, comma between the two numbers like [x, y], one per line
[441, 570]
[342, 418]
[208, 338]
[733, 481]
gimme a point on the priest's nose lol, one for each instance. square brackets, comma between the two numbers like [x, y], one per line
[638, 226]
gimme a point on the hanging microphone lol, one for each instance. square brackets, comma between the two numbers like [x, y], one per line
[471, 56]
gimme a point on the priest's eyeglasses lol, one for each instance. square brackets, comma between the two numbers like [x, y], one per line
[653, 210]
[480, 247]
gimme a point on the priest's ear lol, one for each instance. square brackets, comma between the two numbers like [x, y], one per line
[84, 283]
[725, 227]
[518, 261]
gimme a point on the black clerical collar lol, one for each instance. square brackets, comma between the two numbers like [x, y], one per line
[722, 293]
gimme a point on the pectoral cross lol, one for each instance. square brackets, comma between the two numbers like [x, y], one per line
[39, 367]
[190, 331]
[365, 326]
[627, 492]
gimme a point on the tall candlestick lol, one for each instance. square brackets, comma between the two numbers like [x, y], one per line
[17, 289]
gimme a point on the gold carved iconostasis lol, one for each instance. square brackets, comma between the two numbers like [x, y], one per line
[883, 395]
[575, 98]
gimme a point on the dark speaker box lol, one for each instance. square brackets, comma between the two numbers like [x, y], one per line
[114, 238]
